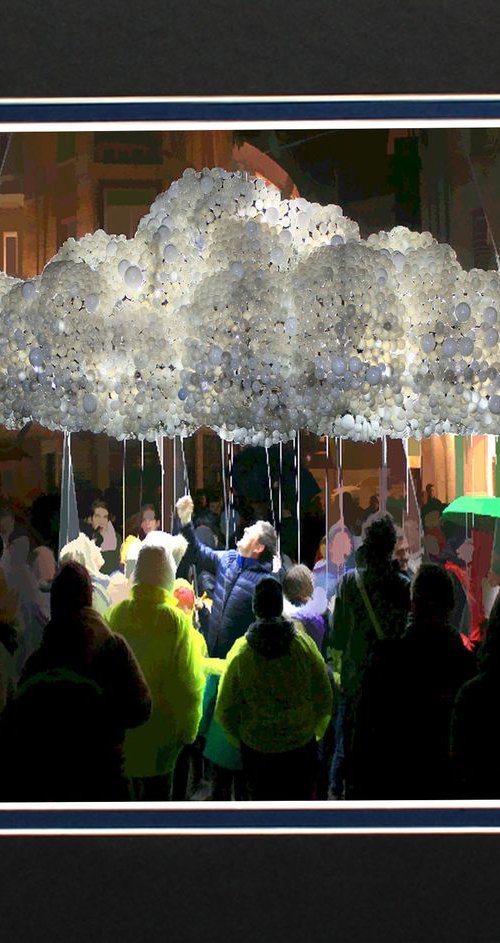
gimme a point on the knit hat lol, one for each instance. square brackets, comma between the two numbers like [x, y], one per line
[174, 544]
[84, 551]
[268, 599]
[155, 567]
[71, 590]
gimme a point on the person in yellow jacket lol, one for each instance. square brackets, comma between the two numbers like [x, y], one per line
[275, 700]
[162, 640]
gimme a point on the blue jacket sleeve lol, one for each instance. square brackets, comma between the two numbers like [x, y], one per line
[204, 556]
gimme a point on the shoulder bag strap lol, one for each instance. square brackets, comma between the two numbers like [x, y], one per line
[368, 606]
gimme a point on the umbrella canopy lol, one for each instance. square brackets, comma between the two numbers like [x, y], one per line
[479, 504]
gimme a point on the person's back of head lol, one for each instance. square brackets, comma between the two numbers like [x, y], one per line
[379, 542]
[432, 595]
[71, 591]
[268, 599]
[298, 584]
[44, 564]
[155, 567]
[453, 532]
[85, 551]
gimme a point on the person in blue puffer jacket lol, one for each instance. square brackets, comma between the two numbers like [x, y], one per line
[237, 573]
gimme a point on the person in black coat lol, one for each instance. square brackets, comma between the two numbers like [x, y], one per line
[476, 721]
[61, 736]
[401, 738]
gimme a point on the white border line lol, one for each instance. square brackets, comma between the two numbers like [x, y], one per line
[400, 805]
[333, 124]
[193, 832]
[250, 99]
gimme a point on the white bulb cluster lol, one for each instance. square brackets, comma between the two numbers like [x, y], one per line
[235, 309]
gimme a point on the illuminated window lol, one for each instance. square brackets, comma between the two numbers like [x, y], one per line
[123, 208]
[130, 147]
[10, 259]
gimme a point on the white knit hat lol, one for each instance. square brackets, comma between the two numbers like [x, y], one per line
[175, 544]
[155, 567]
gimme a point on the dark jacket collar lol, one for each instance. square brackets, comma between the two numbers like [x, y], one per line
[271, 638]
[252, 563]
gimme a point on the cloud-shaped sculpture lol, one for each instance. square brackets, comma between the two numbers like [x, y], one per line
[256, 316]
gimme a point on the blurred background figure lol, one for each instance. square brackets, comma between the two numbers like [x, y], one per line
[44, 568]
[149, 521]
[408, 566]
[105, 536]
[341, 558]
[85, 552]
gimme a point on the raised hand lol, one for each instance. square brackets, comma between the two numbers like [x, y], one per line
[185, 508]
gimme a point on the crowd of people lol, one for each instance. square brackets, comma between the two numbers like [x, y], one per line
[173, 666]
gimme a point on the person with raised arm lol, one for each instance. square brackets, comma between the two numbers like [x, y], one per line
[237, 573]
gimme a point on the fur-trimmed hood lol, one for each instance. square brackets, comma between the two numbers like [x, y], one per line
[311, 614]
[174, 544]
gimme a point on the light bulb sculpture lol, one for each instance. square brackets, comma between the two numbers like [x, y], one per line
[256, 316]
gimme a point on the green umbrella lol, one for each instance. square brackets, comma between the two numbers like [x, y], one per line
[480, 504]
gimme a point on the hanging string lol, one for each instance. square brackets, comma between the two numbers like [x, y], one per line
[270, 484]
[174, 483]
[124, 463]
[472, 471]
[67, 436]
[407, 473]
[160, 448]
[142, 474]
[224, 489]
[340, 476]
[297, 479]
[495, 478]
[280, 498]
[231, 490]
[184, 467]
[384, 483]
[327, 517]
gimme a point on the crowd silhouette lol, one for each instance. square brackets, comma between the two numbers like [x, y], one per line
[172, 666]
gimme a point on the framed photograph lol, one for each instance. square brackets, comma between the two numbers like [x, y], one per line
[392, 165]
[285, 307]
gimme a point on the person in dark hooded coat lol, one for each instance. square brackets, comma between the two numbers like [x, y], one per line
[402, 726]
[476, 720]
[275, 700]
[372, 603]
[61, 736]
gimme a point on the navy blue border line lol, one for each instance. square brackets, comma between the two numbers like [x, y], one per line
[265, 820]
[241, 110]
